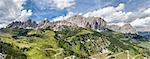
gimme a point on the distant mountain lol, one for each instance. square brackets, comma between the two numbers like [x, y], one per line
[145, 34]
[126, 28]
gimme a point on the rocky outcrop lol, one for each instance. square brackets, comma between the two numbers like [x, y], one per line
[27, 24]
[96, 23]
[126, 28]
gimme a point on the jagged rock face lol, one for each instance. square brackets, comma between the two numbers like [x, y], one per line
[28, 24]
[43, 23]
[127, 28]
[90, 22]
[79, 20]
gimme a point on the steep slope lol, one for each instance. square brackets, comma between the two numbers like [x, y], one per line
[35, 44]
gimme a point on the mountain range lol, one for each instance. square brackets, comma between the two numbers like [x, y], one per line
[76, 37]
[96, 23]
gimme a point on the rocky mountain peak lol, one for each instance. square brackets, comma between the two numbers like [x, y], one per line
[128, 28]
[96, 23]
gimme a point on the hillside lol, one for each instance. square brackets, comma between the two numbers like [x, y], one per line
[68, 42]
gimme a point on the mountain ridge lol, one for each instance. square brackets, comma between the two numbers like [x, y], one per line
[96, 23]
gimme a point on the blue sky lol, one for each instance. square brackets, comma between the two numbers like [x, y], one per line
[134, 12]
[83, 6]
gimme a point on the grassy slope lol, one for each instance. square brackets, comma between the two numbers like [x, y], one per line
[49, 44]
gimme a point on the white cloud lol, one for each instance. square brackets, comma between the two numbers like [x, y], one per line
[111, 14]
[63, 17]
[141, 22]
[60, 4]
[24, 15]
[64, 3]
[120, 7]
[3, 25]
[147, 11]
[141, 18]
[12, 10]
